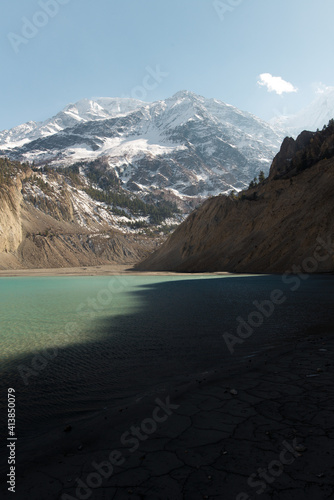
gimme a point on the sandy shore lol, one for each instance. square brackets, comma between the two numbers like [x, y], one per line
[265, 431]
[107, 270]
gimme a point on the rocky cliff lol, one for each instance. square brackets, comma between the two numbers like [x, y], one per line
[285, 223]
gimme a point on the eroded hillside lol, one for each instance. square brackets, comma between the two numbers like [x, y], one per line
[49, 219]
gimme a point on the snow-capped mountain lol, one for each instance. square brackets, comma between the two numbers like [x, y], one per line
[186, 145]
[80, 112]
[313, 117]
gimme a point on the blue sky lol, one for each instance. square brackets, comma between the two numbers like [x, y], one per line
[217, 49]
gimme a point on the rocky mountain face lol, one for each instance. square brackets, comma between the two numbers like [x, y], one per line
[184, 148]
[81, 112]
[284, 224]
[47, 219]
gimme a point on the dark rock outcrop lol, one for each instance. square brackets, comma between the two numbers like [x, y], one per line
[304, 152]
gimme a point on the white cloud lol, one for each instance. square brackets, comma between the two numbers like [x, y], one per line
[275, 84]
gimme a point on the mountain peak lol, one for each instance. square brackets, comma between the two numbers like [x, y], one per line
[187, 145]
[313, 117]
[185, 94]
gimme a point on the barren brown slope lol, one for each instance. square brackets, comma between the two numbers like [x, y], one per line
[50, 236]
[270, 228]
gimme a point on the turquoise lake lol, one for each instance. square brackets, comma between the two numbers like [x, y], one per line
[43, 312]
[71, 346]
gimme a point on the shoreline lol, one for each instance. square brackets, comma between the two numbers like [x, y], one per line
[103, 270]
[126, 270]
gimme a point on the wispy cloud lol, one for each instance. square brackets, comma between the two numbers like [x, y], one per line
[275, 84]
[321, 88]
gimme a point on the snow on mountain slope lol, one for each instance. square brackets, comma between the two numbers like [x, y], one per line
[186, 145]
[80, 112]
[311, 118]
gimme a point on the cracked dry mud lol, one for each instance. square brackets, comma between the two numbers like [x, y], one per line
[215, 440]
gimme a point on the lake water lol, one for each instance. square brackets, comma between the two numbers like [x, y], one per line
[71, 346]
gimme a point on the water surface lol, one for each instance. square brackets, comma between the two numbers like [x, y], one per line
[71, 346]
